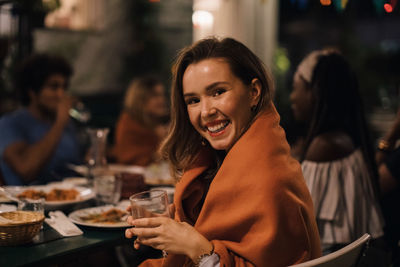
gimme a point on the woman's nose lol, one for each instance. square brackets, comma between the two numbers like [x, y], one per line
[207, 108]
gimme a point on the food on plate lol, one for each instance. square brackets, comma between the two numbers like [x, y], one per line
[110, 216]
[32, 194]
[55, 194]
[62, 194]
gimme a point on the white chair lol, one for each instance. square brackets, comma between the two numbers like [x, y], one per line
[348, 256]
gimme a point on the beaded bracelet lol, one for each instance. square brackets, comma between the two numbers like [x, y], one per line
[202, 256]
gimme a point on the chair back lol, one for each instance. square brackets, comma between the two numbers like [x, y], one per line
[348, 256]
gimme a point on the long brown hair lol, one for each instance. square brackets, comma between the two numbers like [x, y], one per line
[183, 143]
[137, 95]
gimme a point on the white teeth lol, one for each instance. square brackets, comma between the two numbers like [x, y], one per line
[217, 127]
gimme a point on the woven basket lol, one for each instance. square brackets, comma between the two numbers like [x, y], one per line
[25, 226]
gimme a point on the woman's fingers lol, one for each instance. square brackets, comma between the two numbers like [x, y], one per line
[152, 242]
[128, 233]
[136, 244]
[144, 232]
[148, 222]
[129, 220]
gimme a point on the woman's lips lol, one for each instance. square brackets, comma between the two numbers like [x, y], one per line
[217, 128]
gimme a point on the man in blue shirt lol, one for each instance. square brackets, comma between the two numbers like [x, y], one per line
[38, 141]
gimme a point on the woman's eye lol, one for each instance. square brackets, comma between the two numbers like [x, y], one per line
[191, 101]
[219, 92]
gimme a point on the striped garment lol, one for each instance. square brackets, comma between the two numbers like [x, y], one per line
[344, 203]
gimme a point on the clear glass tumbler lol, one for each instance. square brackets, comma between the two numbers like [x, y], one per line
[107, 188]
[36, 205]
[153, 203]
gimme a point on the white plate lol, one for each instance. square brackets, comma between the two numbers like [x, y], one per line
[75, 217]
[81, 169]
[126, 168]
[4, 199]
[84, 194]
[77, 181]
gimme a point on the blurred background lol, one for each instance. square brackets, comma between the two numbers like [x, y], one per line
[109, 42]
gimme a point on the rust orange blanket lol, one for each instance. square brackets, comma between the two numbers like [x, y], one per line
[258, 211]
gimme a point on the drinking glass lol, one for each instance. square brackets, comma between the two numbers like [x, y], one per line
[97, 151]
[107, 189]
[153, 203]
[36, 205]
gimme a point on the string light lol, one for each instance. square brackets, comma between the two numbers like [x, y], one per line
[388, 8]
[381, 6]
[326, 2]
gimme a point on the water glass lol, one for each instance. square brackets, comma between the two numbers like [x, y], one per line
[107, 189]
[36, 205]
[153, 203]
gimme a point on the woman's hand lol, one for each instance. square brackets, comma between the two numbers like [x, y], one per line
[167, 234]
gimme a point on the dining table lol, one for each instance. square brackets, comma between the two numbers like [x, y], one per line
[50, 248]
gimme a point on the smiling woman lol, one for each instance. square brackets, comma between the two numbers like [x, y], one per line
[240, 198]
[219, 104]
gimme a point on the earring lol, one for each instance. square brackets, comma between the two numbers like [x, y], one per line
[253, 108]
[203, 141]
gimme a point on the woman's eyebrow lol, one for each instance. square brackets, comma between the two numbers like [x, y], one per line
[208, 88]
[213, 85]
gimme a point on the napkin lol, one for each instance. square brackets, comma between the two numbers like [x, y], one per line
[62, 224]
[6, 207]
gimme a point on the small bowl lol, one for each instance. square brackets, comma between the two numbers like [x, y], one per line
[25, 225]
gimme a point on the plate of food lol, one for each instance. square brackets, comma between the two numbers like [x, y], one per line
[108, 216]
[56, 196]
[4, 198]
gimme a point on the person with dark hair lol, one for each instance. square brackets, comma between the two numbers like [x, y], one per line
[241, 199]
[142, 124]
[38, 140]
[336, 155]
[388, 160]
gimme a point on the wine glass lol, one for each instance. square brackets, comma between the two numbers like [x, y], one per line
[153, 203]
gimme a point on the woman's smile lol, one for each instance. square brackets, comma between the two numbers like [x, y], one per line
[217, 128]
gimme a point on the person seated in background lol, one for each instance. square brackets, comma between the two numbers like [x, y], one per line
[241, 199]
[38, 140]
[336, 155]
[142, 124]
[388, 160]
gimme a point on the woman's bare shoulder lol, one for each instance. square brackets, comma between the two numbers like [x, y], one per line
[329, 147]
